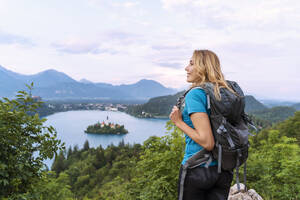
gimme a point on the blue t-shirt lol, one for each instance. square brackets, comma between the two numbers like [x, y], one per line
[195, 101]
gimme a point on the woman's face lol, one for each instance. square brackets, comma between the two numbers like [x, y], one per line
[190, 72]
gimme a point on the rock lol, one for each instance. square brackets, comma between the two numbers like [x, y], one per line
[254, 194]
[239, 196]
[234, 189]
[242, 195]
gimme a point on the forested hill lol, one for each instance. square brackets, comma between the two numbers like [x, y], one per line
[155, 107]
[275, 114]
[162, 106]
[296, 106]
[253, 104]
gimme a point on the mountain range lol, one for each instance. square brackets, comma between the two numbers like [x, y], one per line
[51, 84]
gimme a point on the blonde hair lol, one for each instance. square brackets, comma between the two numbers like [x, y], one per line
[208, 69]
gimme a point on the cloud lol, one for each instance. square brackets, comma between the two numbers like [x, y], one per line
[105, 51]
[170, 51]
[261, 50]
[111, 42]
[169, 4]
[82, 48]
[122, 37]
[75, 47]
[167, 47]
[235, 14]
[113, 3]
[175, 65]
[7, 38]
[123, 12]
[127, 4]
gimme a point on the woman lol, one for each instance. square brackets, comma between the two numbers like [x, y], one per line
[201, 182]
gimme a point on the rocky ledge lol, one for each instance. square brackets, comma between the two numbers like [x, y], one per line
[243, 195]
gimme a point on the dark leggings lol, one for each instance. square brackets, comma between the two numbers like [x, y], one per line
[206, 183]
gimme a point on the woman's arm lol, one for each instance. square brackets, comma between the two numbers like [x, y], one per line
[202, 134]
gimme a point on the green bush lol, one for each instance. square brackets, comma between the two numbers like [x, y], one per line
[25, 143]
[274, 167]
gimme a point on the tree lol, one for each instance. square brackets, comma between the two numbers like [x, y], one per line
[86, 145]
[99, 160]
[274, 167]
[157, 171]
[50, 187]
[25, 143]
[59, 163]
[70, 152]
[291, 127]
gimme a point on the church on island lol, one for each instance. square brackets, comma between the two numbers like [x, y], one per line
[106, 128]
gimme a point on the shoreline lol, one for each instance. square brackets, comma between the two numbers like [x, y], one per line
[139, 117]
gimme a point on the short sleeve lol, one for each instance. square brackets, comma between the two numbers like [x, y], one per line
[195, 101]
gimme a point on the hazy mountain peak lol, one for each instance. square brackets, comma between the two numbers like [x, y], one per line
[145, 80]
[51, 77]
[148, 82]
[253, 104]
[85, 81]
[50, 71]
[12, 74]
[1, 68]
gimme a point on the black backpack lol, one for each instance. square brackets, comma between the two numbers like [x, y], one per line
[229, 125]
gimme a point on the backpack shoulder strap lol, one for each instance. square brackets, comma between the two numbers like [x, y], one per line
[197, 87]
[207, 95]
[180, 100]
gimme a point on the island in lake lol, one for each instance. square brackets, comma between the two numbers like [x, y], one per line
[103, 128]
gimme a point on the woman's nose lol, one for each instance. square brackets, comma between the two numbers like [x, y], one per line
[186, 68]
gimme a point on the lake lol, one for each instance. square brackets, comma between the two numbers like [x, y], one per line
[70, 128]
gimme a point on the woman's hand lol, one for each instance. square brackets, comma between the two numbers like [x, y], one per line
[175, 115]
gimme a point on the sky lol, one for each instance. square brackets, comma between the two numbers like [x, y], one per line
[123, 41]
